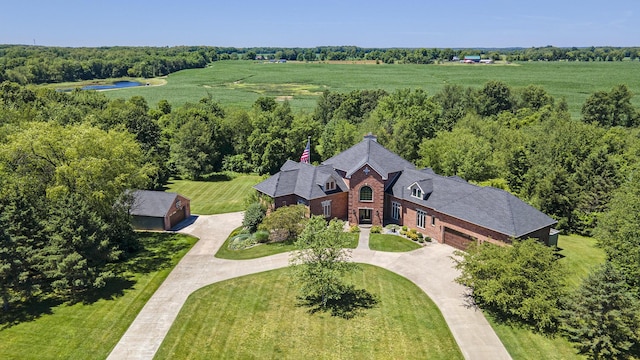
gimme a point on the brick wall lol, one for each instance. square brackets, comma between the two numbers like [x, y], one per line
[339, 205]
[285, 201]
[408, 217]
[358, 180]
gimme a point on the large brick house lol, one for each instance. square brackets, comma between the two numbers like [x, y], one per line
[368, 184]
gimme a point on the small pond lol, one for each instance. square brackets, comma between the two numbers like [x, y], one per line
[115, 85]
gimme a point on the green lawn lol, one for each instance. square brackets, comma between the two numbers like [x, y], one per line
[240, 83]
[580, 255]
[215, 197]
[263, 250]
[258, 317]
[90, 331]
[391, 243]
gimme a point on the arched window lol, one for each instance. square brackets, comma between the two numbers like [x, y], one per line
[366, 193]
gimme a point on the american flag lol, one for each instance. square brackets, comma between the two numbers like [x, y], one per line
[306, 153]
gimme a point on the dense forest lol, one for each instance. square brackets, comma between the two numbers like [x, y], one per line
[39, 65]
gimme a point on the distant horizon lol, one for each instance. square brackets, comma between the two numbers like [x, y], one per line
[409, 24]
[322, 46]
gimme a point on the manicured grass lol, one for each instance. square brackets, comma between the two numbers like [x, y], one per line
[262, 250]
[259, 317]
[215, 197]
[91, 330]
[391, 243]
[240, 83]
[524, 344]
[580, 255]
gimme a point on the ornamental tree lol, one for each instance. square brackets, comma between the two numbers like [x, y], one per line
[322, 260]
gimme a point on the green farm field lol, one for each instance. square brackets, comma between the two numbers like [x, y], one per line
[240, 83]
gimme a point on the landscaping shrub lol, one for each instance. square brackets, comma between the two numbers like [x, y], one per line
[241, 241]
[393, 227]
[253, 216]
[427, 238]
[354, 229]
[420, 236]
[404, 228]
[376, 229]
[285, 222]
[261, 236]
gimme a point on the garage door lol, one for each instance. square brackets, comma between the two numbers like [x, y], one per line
[457, 239]
[177, 216]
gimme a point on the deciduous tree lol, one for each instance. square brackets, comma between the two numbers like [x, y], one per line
[522, 282]
[322, 260]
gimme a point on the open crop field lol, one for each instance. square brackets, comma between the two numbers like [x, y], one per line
[240, 83]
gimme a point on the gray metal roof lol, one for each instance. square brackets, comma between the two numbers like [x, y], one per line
[152, 203]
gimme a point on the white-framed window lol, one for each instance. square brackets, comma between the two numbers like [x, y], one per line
[420, 218]
[395, 210]
[416, 192]
[331, 185]
[433, 220]
[326, 208]
[366, 193]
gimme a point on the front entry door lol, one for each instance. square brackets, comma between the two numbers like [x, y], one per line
[365, 216]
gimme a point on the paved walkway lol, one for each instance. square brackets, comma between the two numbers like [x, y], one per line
[430, 268]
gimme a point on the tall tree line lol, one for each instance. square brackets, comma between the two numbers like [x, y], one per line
[40, 64]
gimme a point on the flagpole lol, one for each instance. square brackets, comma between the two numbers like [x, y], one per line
[306, 154]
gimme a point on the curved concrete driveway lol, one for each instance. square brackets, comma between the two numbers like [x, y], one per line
[430, 268]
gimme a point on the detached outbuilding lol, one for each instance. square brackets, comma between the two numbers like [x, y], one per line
[158, 210]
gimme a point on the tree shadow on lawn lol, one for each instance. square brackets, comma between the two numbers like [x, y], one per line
[157, 253]
[28, 311]
[351, 303]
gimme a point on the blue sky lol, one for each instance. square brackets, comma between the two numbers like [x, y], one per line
[309, 23]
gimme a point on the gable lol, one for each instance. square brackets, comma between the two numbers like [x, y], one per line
[368, 152]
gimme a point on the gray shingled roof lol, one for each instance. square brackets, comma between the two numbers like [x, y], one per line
[488, 207]
[152, 203]
[368, 151]
[301, 179]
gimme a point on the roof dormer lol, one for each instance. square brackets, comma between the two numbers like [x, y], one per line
[421, 189]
